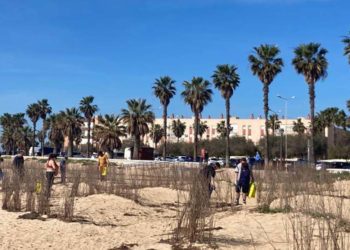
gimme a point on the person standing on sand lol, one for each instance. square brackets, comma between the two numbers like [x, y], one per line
[209, 173]
[244, 176]
[18, 164]
[51, 171]
[63, 169]
[102, 165]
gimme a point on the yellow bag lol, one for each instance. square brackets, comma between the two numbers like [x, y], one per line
[38, 187]
[104, 171]
[252, 190]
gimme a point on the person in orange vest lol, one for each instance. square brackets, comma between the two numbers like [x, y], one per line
[103, 163]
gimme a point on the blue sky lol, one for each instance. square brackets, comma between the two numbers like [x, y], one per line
[113, 49]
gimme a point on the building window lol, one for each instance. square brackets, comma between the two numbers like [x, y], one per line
[249, 130]
[234, 129]
[244, 130]
[191, 130]
[213, 131]
[262, 131]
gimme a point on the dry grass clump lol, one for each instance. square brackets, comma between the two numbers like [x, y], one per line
[195, 219]
[318, 214]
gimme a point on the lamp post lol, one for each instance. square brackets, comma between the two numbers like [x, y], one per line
[286, 99]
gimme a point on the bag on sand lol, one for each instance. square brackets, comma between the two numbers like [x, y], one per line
[252, 190]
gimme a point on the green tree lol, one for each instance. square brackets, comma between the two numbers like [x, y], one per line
[226, 80]
[266, 65]
[56, 135]
[33, 112]
[178, 127]
[202, 127]
[299, 127]
[164, 89]
[221, 129]
[156, 134]
[274, 123]
[310, 61]
[137, 116]
[346, 41]
[197, 94]
[88, 109]
[45, 109]
[108, 132]
[12, 126]
[72, 122]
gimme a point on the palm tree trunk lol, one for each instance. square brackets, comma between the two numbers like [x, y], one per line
[312, 118]
[136, 146]
[195, 146]
[165, 117]
[88, 142]
[266, 112]
[33, 140]
[227, 131]
[43, 137]
[70, 146]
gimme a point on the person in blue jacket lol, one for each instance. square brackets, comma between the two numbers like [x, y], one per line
[244, 176]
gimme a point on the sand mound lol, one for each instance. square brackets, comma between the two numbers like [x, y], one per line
[161, 196]
[104, 209]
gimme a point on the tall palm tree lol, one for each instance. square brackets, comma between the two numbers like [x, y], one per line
[108, 132]
[197, 94]
[310, 61]
[299, 127]
[346, 41]
[56, 135]
[33, 112]
[88, 109]
[226, 80]
[45, 109]
[274, 123]
[178, 127]
[266, 64]
[23, 138]
[137, 117]
[72, 122]
[164, 89]
[156, 134]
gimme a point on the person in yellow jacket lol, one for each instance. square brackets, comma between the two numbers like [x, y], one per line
[103, 163]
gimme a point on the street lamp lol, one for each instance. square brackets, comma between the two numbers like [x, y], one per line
[286, 99]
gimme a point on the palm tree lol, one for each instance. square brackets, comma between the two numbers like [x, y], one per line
[108, 132]
[137, 117]
[156, 134]
[266, 65]
[221, 129]
[310, 61]
[332, 116]
[164, 90]
[33, 112]
[56, 135]
[346, 41]
[299, 127]
[88, 109]
[24, 138]
[226, 80]
[197, 94]
[45, 109]
[13, 126]
[178, 128]
[202, 127]
[274, 123]
[72, 122]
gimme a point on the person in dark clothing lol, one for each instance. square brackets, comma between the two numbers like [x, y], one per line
[18, 164]
[244, 176]
[209, 173]
[63, 169]
[51, 171]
